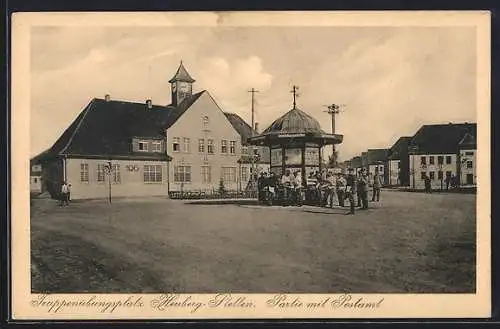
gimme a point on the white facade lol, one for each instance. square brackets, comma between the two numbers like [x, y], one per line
[208, 149]
[394, 169]
[436, 169]
[468, 172]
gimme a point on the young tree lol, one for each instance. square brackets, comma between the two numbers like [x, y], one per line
[222, 188]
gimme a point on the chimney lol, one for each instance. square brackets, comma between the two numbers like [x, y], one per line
[149, 103]
[107, 98]
[256, 127]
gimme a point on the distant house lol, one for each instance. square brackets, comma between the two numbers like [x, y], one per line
[36, 185]
[398, 162]
[376, 159]
[260, 158]
[142, 149]
[441, 151]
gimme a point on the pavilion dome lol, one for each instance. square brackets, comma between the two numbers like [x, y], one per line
[294, 121]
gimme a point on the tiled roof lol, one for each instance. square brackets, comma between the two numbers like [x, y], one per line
[245, 132]
[399, 148]
[293, 122]
[441, 138]
[106, 128]
[241, 126]
[182, 75]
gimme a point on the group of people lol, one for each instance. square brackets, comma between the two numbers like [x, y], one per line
[450, 181]
[65, 194]
[323, 188]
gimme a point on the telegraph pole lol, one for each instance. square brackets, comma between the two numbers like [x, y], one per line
[333, 110]
[253, 91]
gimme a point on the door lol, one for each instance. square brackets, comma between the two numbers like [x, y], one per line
[470, 179]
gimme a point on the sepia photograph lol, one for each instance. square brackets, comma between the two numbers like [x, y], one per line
[204, 156]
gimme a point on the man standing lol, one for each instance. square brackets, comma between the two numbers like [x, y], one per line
[260, 186]
[287, 182]
[377, 184]
[351, 189]
[447, 180]
[297, 188]
[427, 182]
[341, 185]
[363, 189]
[64, 194]
[332, 189]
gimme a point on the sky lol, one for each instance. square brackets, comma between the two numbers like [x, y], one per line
[391, 80]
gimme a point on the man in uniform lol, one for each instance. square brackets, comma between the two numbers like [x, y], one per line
[363, 189]
[377, 184]
[341, 185]
[351, 189]
[287, 182]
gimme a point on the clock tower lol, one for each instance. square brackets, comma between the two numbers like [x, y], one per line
[181, 85]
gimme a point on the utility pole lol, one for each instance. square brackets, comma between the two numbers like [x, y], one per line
[253, 91]
[333, 110]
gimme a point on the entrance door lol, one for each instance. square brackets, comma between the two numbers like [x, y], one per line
[470, 179]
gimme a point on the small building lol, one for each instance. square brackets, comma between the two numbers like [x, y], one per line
[36, 185]
[376, 160]
[443, 152]
[398, 163]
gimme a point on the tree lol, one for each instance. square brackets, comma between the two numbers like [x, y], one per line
[332, 159]
[222, 188]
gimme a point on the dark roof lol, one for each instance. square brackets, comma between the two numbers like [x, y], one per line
[240, 126]
[294, 121]
[182, 75]
[468, 141]
[399, 148]
[106, 128]
[376, 155]
[441, 138]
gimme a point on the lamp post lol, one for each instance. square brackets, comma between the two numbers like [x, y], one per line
[108, 170]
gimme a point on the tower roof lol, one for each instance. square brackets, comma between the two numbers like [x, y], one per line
[182, 75]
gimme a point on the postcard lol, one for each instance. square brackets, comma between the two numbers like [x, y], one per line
[250, 165]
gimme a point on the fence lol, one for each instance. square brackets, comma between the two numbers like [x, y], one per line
[203, 195]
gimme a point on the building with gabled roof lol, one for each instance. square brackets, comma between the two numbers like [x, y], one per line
[439, 151]
[398, 162]
[143, 149]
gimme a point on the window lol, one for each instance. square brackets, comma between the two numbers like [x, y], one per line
[156, 146]
[152, 174]
[469, 164]
[100, 172]
[116, 173]
[187, 145]
[448, 159]
[448, 174]
[182, 174]
[431, 159]
[244, 174]
[440, 159]
[381, 168]
[229, 174]
[143, 146]
[84, 172]
[232, 147]
[244, 149]
[201, 145]
[205, 122]
[399, 164]
[35, 180]
[223, 146]
[469, 153]
[440, 174]
[210, 146]
[423, 160]
[176, 144]
[431, 175]
[206, 174]
[422, 175]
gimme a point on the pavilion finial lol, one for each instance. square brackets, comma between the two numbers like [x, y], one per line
[295, 92]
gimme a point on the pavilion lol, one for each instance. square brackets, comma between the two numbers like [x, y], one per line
[295, 141]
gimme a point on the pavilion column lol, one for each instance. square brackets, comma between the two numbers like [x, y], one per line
[283, 162]
[303, 169]
[319, 155]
